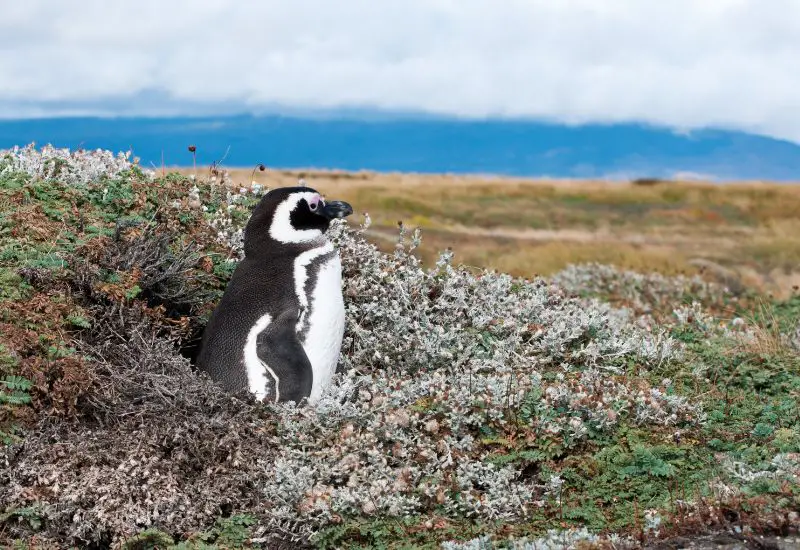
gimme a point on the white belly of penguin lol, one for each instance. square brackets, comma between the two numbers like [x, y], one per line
[326, 319]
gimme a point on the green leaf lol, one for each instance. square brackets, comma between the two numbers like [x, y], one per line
[16, 383]
[763, 430]
[133, 292]
[79, 321]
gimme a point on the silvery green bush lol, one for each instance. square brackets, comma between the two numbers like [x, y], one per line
[74, 167]
[643, 292]
[554, 540]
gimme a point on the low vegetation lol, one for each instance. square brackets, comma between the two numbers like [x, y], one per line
[473, 409]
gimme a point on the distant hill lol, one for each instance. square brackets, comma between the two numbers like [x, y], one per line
[425, 144]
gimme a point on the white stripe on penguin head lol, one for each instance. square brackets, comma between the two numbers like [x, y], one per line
[281, 228]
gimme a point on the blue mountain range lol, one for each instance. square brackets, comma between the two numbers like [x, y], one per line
[424, 144]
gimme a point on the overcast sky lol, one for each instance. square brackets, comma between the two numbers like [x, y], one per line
[682, 63]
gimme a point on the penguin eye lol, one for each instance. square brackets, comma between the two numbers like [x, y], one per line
[313, 206]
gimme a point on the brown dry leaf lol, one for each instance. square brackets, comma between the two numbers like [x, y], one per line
[206, 264]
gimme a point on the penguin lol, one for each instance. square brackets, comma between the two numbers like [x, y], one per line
[278, 329]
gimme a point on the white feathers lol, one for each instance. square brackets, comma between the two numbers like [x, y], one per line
[301, 270]
[281, 227]
[326, 321]
[257, 370]
[326, 325]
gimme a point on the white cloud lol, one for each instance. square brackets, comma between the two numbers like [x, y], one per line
[683, 63]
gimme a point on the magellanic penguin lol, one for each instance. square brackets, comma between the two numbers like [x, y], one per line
[278, 329]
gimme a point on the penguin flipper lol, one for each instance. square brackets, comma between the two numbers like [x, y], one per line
[280, 351]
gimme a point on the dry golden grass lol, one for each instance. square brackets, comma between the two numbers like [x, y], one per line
[745, 233]
[767, 334]
[543, 257]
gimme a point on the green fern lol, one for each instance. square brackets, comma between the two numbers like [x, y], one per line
[14, 390]
[150, 539]
[16, 383]
[645, 461]
[13, 393]
[227, 533]
[232, 532]
[32, 515]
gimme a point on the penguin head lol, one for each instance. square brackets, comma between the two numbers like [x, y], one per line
[291, 216]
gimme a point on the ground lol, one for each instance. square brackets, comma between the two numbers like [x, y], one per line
[598, 406]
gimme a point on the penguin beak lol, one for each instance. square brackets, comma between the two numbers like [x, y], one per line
[336, 209]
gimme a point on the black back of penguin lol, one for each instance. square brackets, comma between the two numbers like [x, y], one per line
[262, 290]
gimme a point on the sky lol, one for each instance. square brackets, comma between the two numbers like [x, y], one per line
[686, 64]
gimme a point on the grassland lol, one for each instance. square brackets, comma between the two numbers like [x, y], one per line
[743, 234]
